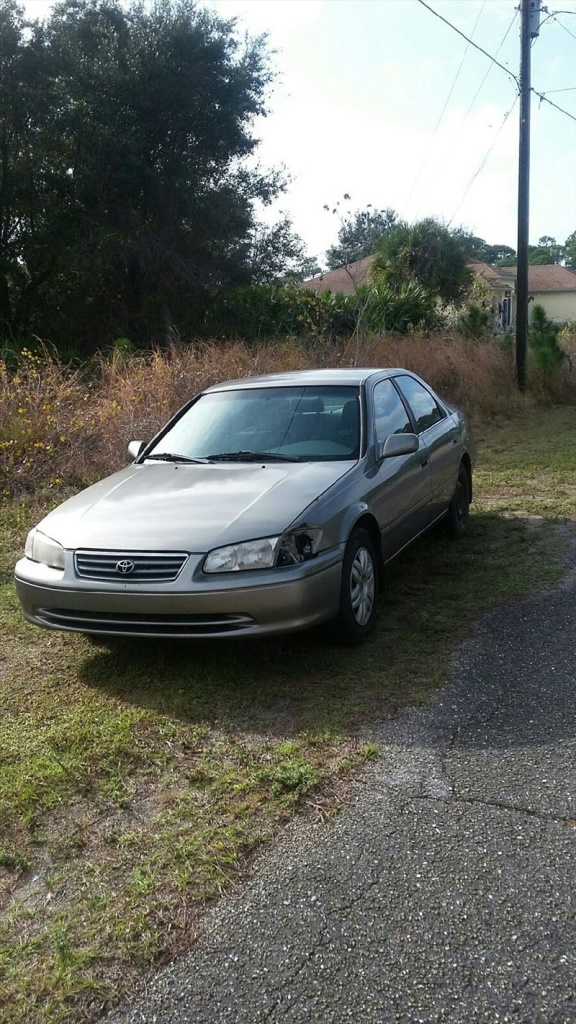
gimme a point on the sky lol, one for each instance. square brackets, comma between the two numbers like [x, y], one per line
[381, 100]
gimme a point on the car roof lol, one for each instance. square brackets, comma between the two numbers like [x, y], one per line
[350, 375]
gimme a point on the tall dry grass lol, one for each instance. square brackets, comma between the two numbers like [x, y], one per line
[61, 426]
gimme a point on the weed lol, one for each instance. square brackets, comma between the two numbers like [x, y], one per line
[69, 426]
[137, 782]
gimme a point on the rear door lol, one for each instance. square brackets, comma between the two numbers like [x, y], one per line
[400, 487]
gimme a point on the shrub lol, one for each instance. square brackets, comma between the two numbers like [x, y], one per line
[47, 423]
[567, 339]
[64, 425]
[475, 322]
[543, 340]
[268, 311]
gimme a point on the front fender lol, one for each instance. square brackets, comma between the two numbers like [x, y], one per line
[350, 518]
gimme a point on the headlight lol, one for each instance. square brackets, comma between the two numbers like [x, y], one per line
[40, 548]
[299, 545]
[252, 554]
[290, 549]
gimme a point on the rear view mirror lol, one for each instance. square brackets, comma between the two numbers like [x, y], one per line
[397, 444]
[135, 448]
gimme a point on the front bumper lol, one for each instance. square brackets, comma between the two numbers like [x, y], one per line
[268, 602]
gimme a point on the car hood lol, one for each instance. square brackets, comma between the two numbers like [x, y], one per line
[189, 507]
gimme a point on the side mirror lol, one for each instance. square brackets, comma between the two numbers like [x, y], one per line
[397, 444]
[135, 448]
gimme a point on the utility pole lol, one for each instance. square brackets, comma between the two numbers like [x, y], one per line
[529, 29]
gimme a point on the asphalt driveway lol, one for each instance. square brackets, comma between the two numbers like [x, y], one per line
[446, 892]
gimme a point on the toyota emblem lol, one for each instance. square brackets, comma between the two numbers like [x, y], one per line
[124, 566]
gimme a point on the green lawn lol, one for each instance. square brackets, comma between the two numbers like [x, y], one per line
[137, 783]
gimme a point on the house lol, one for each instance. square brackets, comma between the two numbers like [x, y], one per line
[345, 280]
[550, 286]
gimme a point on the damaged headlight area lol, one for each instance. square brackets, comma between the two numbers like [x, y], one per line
[299, 545]
[265, 553]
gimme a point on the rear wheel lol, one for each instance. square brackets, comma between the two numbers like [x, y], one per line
[357, 614]
[457, 517]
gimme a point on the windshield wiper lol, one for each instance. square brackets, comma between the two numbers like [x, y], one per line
[171, 457]
[250, 456]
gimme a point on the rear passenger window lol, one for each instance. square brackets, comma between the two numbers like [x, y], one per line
[425, 408]
[389, 412]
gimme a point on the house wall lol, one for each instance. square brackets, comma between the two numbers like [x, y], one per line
[559, 306]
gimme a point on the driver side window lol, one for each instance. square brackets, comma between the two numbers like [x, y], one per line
[390, 415]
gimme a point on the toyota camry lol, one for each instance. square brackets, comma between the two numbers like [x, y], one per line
[265, 505]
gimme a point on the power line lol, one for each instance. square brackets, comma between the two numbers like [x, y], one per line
[553, 14]
[475, 45]
[443, 111]
[474, 98]
[564, 27]
[542, 96]
[493, 59]
[569, 88]
[483, 161]
[552, 17]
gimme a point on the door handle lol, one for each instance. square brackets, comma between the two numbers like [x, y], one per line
[423, 461]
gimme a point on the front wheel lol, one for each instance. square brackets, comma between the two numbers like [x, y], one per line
[457, 515]
[357, 613]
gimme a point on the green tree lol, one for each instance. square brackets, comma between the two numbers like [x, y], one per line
[478, 249]
[546, 252]
[543, 340]
[276, 252]
[570, 251]
[126, 191]
[475, 322]
[425, 253]
[358, 235]
[495, 254]
[507, 261]
[30, 185]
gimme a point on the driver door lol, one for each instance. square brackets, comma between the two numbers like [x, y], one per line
[401, 487]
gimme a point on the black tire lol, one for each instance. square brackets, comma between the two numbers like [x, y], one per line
[457, 515]
[359, 590]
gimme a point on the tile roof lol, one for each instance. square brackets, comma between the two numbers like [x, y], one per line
[344, 280]
[548, 278]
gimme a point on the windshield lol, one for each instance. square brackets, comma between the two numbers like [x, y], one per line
[297, 423]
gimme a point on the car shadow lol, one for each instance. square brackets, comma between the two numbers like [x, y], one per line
[431, 597]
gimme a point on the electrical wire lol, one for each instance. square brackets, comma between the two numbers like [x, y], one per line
[463, 121]
[483, 161]
[475, 45]
[552, 16]
[542, 96]
[443, 111]
[511, 74]
[555, 20]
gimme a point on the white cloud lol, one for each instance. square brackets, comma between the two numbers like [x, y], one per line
[282, 16]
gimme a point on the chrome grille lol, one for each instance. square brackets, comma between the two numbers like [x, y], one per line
[138, 566]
